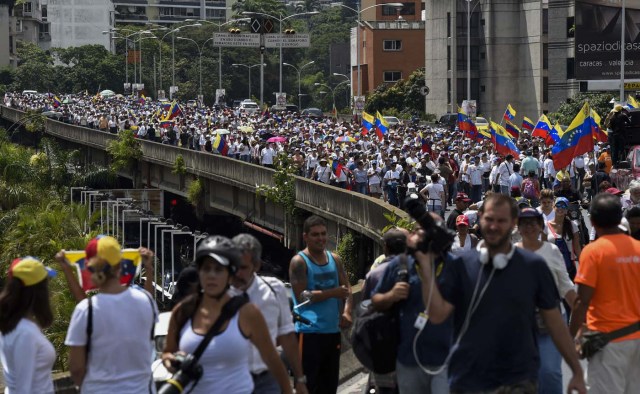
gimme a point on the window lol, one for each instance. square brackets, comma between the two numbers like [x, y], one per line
[461, 24]
[44, 28]
[461, 54]
[166, 11]
[545, 90]
[571, 70]
[545, 21]
[44, 13]
[448, 57]
[545, 56]
[18, 25]
[26, 8]
[392, 45]
[392, 76]
[571, 26]
[449, 26]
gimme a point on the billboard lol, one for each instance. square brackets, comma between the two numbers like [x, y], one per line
[598, 24]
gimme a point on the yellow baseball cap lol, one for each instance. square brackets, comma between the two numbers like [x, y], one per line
[30, 270]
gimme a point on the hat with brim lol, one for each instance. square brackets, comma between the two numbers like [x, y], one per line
[614, 191]
[529, 213]
[30, 270]
[104, 247]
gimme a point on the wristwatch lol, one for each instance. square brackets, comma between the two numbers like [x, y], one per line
[302, 379]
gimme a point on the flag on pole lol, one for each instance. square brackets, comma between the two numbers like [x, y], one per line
[467, 126]
[576, 140]
[220, 145]
[336, 167]
[599, 133]
[632, 103]
[510, 113]
[502, 140]
[382, 127]
[174, 110]
[368, 122]
[527, 124]
[56, 102]
[513, 130]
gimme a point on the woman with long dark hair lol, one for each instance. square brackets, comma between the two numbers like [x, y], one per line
[26, 355]
[564, 234]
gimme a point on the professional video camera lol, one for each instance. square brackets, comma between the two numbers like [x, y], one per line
[187, 370]
[437, 238]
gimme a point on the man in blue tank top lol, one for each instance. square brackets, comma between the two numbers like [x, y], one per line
[317, 276]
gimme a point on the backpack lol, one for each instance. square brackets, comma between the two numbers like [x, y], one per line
[529, 189]
[374, 338]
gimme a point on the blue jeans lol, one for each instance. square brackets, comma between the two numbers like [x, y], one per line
[550, 372]
[265, 383]
[476, 193]
[505, 190]
[361, 187]
[411, 379]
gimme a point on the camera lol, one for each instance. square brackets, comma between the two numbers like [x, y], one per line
[187, 370]
[437, 238]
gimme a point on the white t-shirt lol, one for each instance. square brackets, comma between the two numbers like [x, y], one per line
[270, 296]
[121, 347]
[267, 155]
[27, 358]
[553, 257]
[434, 192]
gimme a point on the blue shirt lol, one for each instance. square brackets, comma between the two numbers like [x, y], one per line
[324, 315]
[500, 347]
[435, 340]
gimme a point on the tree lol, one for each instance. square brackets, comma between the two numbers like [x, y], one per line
[35, 68]
[600, 102]
[402, 98]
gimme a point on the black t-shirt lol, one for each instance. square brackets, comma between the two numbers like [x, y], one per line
[451, 220]
[499, 347]
[570, 195]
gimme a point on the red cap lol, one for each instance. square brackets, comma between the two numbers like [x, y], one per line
[614, 191]
[462, 220]
[463, 197]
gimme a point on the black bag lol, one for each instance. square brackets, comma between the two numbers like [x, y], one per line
[592, 342]
[374, 338]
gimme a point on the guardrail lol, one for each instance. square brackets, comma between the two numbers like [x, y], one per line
[361, 213]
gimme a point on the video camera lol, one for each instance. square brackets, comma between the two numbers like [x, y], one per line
[437, 238]
[187, 370]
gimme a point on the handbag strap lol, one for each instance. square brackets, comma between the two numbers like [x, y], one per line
[228, 310]
[622, 332]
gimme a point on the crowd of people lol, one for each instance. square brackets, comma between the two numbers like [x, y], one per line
[521, 288]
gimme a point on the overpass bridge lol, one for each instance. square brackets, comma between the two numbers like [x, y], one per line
[230, 187]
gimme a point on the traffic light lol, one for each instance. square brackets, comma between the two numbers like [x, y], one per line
[234, 30]
[290, 31]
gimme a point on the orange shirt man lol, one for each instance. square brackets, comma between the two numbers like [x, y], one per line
[605, 157]
[609, 298]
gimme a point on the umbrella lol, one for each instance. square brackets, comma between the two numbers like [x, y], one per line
[246, 129]
[276, 139]
[345, 138]
[222, 131]
[107, 93]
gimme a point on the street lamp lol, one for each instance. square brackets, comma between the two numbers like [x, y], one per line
[126, 52]
[299, 71]
[219, 25]
[200, 50]
[173, 58]
[333, 90]
[359, 12]
[280, 20]
[140, 41]
[248, 68]
[347, 80]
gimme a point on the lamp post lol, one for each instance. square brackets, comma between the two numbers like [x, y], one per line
[200, 50]
[469, 12]
[140, 41]
[126, 52]
[280, 20]
[219, 25]
[173, 58]
[359, 12]
[332, 89]
[347, 80]
[622, 37]
[299, 71]
[249, 69]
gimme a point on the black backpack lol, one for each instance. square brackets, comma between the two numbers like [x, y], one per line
[374, 338]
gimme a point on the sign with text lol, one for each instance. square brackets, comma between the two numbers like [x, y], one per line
[286, 40]
[598, 46]
[247, 40]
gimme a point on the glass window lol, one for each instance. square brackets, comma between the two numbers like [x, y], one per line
[571, 26]
[392, 45]
[571, 70]
[545, 21]
[26, 7]
[545, 56]
[392, 76]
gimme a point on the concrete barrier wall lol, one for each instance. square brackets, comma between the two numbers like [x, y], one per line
[356, 211]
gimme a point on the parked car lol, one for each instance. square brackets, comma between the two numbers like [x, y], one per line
[448, 120]
[312, 112]
[392, 120]
[249, 107]
[285, 108]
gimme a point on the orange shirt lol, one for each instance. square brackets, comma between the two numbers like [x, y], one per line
[611, 265]
[605, 157]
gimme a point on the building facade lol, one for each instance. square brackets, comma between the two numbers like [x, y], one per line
[391, 44]
[170, 11]
[508, 61]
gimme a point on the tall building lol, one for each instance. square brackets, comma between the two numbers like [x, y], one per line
[391, 44]
[74, 23]
[506, 53]
[169, 11]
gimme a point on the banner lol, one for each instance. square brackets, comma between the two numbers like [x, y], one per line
[133, 57]
[598, 25]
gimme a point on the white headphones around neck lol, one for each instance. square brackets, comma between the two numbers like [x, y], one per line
[499, 261]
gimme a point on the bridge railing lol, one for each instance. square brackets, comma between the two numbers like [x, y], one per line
[357, 211]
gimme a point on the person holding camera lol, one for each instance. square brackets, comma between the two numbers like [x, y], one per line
[110, 333]
[229, 324]
[270, 296]
[492, 293]
[25, 353]
[609, 301]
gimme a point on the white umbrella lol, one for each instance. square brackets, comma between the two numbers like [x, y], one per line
[222, 131]
[107, 93]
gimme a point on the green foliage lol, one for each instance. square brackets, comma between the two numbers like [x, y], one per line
[195, 191]
[34, 122]
[347, 250]
[396, 221]
[567, 111]
[284, 191]
[404, 94]
[179, 166]
[124, 152]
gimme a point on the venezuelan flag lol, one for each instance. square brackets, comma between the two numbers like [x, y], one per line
[166, 123]
[165, 106]
[142, 100]
[598, 132]
[554, 135]
[632, 103]
[175, 110]
[576, 140]
[336, 167]
[502, 140]
[513, 130]
[425, 145]
[382, 127]
[368, 122]
[542, 128]
[129, 267]
[56, 102]
[510, 113]
[467, 126]
[527, 124]
[220, 145]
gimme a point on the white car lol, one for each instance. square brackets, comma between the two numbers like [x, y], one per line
[249, 107]
[392, 120]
